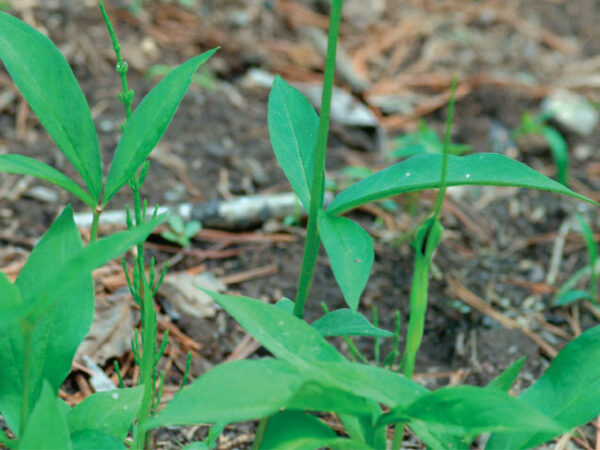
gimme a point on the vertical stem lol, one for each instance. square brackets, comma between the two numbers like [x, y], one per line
[442, 191]
[418, 309]
[312, 243]
[96, 218]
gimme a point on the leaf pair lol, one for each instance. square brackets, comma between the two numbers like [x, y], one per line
[48, 311]
[46, 81]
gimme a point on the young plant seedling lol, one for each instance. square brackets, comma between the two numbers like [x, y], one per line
[180, 232]
[424, 140]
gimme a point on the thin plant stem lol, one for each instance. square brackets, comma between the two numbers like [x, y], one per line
[426, 241]
[312, 243]
[96, 218]
[442, 191]
[122, 67]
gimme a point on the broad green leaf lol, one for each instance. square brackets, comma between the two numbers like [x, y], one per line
[423, 172]
[345, 322]
[233, 392]
[55, 335]
[149, 122]
[568, 392]
[440, 441]
[469, 410]
[506, 379]
[295, 430]
[46, 427]
[293, 125]
[94, 439]
[350, 250]
[45, 79]
[24, 165]
[107, 412]
[284, 335]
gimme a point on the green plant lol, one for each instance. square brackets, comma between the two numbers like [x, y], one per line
[568, 292]
[424, 140]
[538, 125]
[180, 232]
[48, 311]
[307, 374]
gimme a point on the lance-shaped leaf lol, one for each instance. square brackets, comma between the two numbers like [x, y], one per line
[568, 392]
[45, 79]
[24, 165]
[149, 122]
[293, 124]
[345, 322]
[423, 172]
[350, 251]
[469, 410]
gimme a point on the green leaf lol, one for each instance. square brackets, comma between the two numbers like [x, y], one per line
[109, 412]
[284, 335]
[506, 379]
[568, 392]
[55, 334]
[469, 411]
[566, 298]
[423, 172]
[286, 304]
[93, 439]
[345, 322]
[293, 125]
[233, 392]
[45, 79]
[24, 165]
[46, 427]
[350, 250]
[295, 430]
[590, 242]
[149, 122]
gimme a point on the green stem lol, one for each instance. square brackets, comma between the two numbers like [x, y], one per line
[146, 367]
[122, 67]
[398, 436]
[96, 219]
[312, 243]
[442, 191]
[418, 309]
